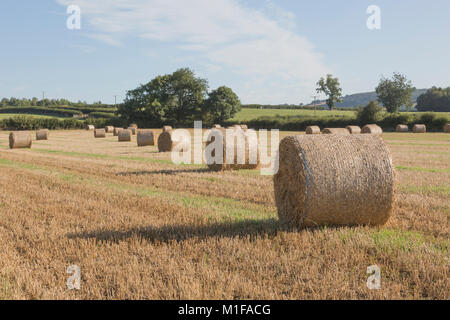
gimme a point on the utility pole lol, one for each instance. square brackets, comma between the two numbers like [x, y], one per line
[43, 97]
[115, 102]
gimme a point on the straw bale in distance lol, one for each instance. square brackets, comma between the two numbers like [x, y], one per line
[167, 128]
[116, 131]
[244, 127]
[124, 135]
[133, 130]
[90, 127]
[217, 126]
[109, 129]
[20, 139]
[336, 131]
[334, 180]
[145, 138]
[133, 125]
[313, 130]
[354, 129]
[420, 128]
[371, 129]
[447, 128]
[42, 134]
[251, 145]
[166, 143]
[402, 128]
[100, 133]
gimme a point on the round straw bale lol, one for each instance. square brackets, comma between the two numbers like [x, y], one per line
[334, 180]
[133, 125]
[447, 128]
[217, 126]
[239, 142]
[20, 139]
[402, 128]
[124, 135]
[371, 129]
[354, 129]
[167, 128]
[90, 127]
[420, 128]
[244, 127]
[145, 138]
[313, 130]
[336, 131]
[116, 131]
[42, 134]
[100, 133]
[133, 130]
[109, 129]
[166, 143]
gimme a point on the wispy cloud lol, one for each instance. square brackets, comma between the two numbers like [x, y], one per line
[259, 46]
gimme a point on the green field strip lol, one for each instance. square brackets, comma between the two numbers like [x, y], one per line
[443, 189]
[419, 169]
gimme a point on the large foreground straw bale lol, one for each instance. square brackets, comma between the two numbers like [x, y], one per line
[334, 180]
[371, 129]
[109, 129]
[20, 139]
[145, 138]
[336, 131]
[167, 128]
[124, 135]
[100, 133]
[42, 134]
[402, 128]
[243, 144]
[447, 128]
[313, 130]
[420, 128]
[166, 142]
[90, 127]
[354, 129]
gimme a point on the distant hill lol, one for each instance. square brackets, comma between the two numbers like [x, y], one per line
[353, 100]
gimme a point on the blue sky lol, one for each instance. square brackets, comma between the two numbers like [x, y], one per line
[266, 51]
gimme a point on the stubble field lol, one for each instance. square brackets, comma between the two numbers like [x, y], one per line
[140, 227]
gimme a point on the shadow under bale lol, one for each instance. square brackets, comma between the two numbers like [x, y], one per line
[166, 234]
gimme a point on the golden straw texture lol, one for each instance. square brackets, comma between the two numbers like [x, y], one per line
[145, 138]
[313, 130]
[334, 180]
[124, 135]
[354, 129]
[372, 129]
[99, 133]
[116, 131]
[335, 131]
[402, 128]
[42, 134]
[167, 144]
[419, 128]
[20, 139]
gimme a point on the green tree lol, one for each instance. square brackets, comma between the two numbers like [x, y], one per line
[4, 102]
[435, 99]
[331, 88]
[396, 92]
[174, 99]
[222, 104]
[371, 113]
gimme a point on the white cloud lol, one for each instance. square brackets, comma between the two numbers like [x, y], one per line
[258, 46]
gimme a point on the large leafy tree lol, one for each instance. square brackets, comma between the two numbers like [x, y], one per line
[435, 99]
[222, 104]
[331, 88]
[175, 98]
[396, 92]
